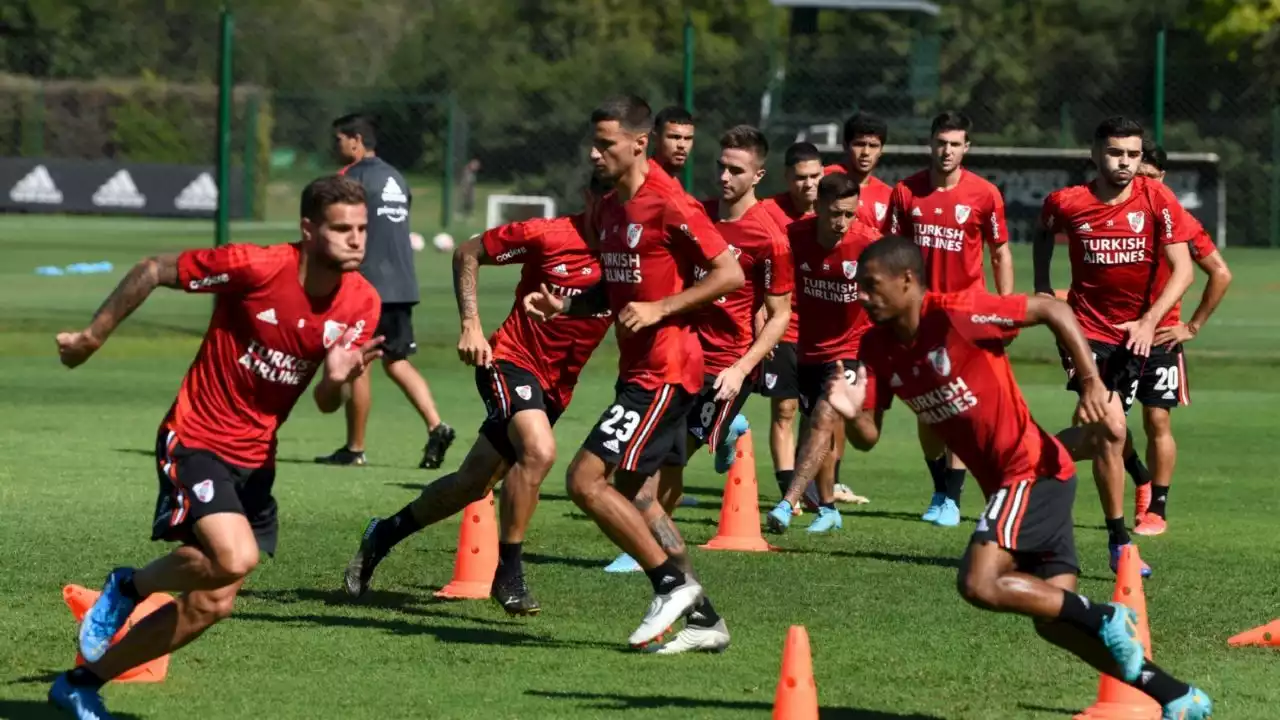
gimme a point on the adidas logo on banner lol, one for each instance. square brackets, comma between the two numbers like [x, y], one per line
[201, 194]
[37, 187]
[119, 191]
[392, 192]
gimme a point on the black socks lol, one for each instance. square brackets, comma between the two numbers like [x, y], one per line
[1116, 531]
[665, 578]
[1079, 612]
[509, 559]
[1133, 465]
[938, 466]
[1159, 500]
[390, 532]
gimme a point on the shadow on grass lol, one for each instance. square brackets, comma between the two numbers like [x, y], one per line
[1056, 712]
[618, 701]
[402, 602]
[574, 562]
[41, 710]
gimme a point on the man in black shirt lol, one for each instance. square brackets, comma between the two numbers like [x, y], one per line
[388, 265]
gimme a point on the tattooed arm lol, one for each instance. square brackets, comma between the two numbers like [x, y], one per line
[137, 285]
[473, 347]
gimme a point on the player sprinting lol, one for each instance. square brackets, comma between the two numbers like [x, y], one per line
[673, 131]
[825, 251]
[943, 355]
[652, 236]
[1120, 229]
[525, 373]
[952, 214]
[865, 136]
[282, 314]
[1151, 496]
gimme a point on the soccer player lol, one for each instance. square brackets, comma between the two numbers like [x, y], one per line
[825, 251]
[865, 136]
[1120, 228]
[673, 139]
[282, 314]
[525, 374]
[388, 264]
[952, 214]
[652, 236]
[1171, 377]
[944, 356]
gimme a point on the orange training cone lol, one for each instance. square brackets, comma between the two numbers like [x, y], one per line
[477, 558]
[80, 599]
[1262, 636]
[1116, 699]
[740, 509]
[797, 694]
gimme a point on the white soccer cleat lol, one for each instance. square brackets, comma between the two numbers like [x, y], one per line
[665, 610]
[694, 638]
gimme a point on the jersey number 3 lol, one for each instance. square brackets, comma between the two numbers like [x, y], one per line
[630, 421]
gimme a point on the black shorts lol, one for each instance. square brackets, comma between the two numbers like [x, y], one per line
[1156, 381]
[708, 418]
[779, 379]
[197, 483]
[507, 389]
[813, 381]
[642, 430]
[1032, 520]
[396, 325]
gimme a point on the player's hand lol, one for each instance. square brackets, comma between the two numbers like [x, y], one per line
[76, 347]
[1139, 335]
[637, 316]
[1092, 408]
[1173, 335]
[344, 362]
[473, 346]
[729, 383]
[542, 304]
[844, 398]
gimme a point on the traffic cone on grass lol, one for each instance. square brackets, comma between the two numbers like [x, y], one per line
[797, 695]
[740, 509]
[79, 599]
[477, 557]
[1262, 636]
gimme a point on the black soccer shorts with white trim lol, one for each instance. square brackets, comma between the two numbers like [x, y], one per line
[1031, 519]
[506, 389]
[642, 430]
[709, 419]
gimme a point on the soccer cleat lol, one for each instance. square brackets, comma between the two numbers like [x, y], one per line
[1195, 705]
[513, 595]
[1115, 560]
[665, 610]
[949, 515]
[343, 456]
[779, 518]
[438, 443]
[1120, 634]
[1141, 501]
[935, 507]
[727, 451]
[1151, 524]
[844, 494]
[695, 638]
[106, 617]
[624, 563]
[828, 519]
[82, 703]
[360, 570]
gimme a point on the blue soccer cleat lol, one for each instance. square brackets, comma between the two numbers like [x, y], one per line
[828, 519]
[1115, 560]
[948, 514]
[624, 563]
[935, 507]
[106, 617]
[1120, 634]
[82, 703]
[779, 518]
[727, 452]
[1195, 705]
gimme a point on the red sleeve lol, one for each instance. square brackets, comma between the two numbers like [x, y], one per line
[691, 232]
[1050, 213]
[234, 268]
[1202, 245]
[511, 243]
[982, 316]
[879, 393]
[898, 210]
[995, 231]
[779, 275]
[1172, 224]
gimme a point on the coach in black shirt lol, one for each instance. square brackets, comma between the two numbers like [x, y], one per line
[388, 265]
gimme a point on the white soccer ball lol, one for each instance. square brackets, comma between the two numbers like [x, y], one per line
[443, 242]
[417, 242]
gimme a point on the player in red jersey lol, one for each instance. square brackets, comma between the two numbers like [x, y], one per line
[825, 251]
[282, 314]
[865, 136]
[525, 373]
[779, 380]
[673, 130]
[1171, 388]
[952, 214]
[944, 356]
[1119, 228]
[652, 236]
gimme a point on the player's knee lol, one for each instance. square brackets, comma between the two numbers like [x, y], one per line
[580, 484]
[784, 413]
[539, 454]
[1156, 423]
[978, 590]
[236, 564]
[206, 608]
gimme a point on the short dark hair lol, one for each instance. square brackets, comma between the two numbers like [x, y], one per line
[951, 120]
[629, 111]
[672, 115]
[359, 125]
[837, 186]
[896, 255]
[801, 152]
[745, 137]
[1154, 155]
[865, 124]
[322, 192]
[1117, 126]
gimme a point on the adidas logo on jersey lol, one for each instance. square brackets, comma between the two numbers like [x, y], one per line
[1084, 227]
[201, 194]
[560, 269]
[612, 445]
[915, 212]
[119, 191]
[392, 192]
[895, 381]
[36, 187]
[1168, 395]
[804, 266]
[268, 316]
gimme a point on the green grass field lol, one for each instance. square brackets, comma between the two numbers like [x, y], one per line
[891, 639]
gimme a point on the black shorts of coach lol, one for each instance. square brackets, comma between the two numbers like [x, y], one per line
[1031, 519]
[395, 325]
[813, 381]
[709, 419]
[507, 389]
[778, 378]
[197, 483]
[643, 430]
[1157, 381]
